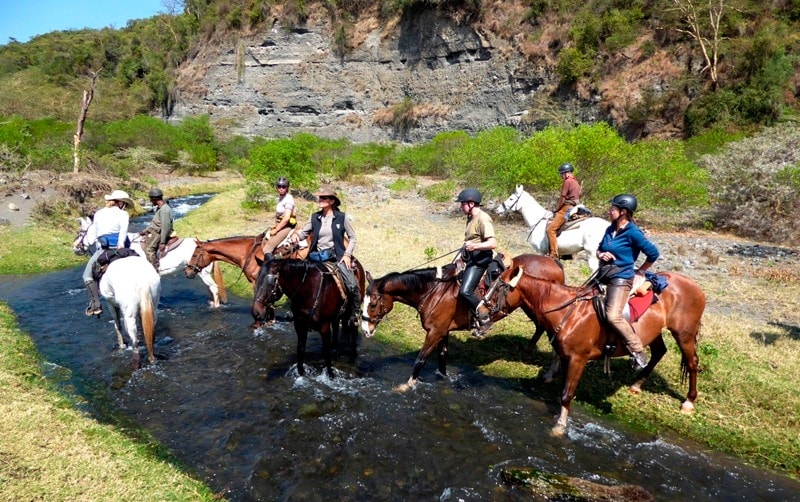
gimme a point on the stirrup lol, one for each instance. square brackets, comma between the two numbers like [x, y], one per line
[93, 311]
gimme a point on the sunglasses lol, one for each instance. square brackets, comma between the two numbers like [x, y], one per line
[281, 186]
[325, 197]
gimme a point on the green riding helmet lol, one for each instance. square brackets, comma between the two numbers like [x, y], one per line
[469, 195]
[625, 201]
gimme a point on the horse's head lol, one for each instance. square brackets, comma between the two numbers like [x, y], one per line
[512, 203]
[83, 240]
[198, 261]
[376, 305]
[267, 291]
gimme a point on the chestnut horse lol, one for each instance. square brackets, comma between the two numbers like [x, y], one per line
[240, 251]
[316, 302]
[435, 296]
[580, 336]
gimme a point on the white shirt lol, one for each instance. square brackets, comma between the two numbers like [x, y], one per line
[109, 221]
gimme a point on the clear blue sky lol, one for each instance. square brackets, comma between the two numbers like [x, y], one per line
[23, 19]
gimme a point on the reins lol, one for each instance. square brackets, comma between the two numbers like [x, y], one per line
[416, 267]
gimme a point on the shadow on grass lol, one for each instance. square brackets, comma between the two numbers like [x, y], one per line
[790, 331]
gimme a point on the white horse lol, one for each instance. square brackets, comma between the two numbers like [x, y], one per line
[132, 288]
[174, 261]
[585, 235]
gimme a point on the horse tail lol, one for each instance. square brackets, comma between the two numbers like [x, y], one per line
[217, 274]
[147, 311]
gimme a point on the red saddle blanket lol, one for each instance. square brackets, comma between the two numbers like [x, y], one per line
[637, 305]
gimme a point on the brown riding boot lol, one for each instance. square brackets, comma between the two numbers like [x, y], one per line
[94, 307]
[483, 321]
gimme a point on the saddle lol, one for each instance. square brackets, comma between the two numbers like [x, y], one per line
[574, 216]
[489, 287]
[173, 242]
[107, 257]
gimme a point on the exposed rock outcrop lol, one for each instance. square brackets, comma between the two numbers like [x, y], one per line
[407, 80]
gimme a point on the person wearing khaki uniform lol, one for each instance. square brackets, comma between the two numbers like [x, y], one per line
[157, 234]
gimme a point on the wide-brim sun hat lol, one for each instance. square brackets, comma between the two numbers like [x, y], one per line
[120, 195]
[329, 192]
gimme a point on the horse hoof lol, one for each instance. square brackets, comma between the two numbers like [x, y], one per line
[687, 408]
[558, 431]
[635, 389]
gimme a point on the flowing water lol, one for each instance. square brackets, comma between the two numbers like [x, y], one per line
[229, 403]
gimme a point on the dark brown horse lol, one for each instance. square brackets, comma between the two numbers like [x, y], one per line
[434, 294]
[317, 302]
[580, 337]
[240, 251]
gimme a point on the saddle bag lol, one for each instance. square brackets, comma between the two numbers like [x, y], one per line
[107, 257]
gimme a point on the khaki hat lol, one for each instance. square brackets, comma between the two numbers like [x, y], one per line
[329, 192]
[120, 195]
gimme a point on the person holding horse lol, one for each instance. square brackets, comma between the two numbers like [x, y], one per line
[618, 251]
[328, 228]
[285, 220]
[569, 198]
[110, 230]
[477, 253]
[158, 233]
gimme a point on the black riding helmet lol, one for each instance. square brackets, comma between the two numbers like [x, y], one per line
[283, 181]
[566, 167]
[155, 193]
[469, 195]
[625, 201]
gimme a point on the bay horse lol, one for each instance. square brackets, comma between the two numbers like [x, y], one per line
[316, 302]
[584, 235]
[434, 294]
[175, 259]
[241, 251]
[131, 287]
[580, 336]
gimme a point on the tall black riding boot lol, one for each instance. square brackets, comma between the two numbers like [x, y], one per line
[94, 307]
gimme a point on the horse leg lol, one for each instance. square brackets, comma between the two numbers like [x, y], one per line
[431, 341]
[118, 328]
[442, 356]
[208, 280]
[555, 365]
[657, 351]
[534, 339]
[302, 336]
[129, 324]
[326, 332]
[687, 341]
[574, 369]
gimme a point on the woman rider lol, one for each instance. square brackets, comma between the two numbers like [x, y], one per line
[328, 228]
[618, 251]
[109, 230]
[284, 217]
[479, 241]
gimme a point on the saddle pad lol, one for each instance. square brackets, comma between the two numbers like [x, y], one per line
[639, 304]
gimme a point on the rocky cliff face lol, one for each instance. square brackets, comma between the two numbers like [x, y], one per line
[407, 81]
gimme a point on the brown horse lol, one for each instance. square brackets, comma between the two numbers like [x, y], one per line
[317, 302]
[580, 336]
[441, 310]
[240, 251]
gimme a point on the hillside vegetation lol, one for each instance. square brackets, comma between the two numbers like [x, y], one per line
[726, 64]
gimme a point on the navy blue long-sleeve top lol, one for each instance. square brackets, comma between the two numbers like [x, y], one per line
[626, 245]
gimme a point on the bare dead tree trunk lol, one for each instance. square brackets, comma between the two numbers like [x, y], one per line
[691, 15]
[88, 96]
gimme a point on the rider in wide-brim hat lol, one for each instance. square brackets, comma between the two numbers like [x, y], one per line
[121, 196]
[329, 192]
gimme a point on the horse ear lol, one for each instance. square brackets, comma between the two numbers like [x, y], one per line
[369, 277]
[520, 188]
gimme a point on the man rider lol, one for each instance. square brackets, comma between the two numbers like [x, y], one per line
[570, 197]
[157, 234]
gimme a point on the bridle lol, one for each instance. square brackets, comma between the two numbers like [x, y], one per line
[513, 206]
[194, 263]
[381, 312]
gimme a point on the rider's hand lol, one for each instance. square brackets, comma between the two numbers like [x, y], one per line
[347, 261]
[272, 232]
[293, 239]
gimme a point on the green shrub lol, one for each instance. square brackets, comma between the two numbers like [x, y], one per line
[441, 192]
[572, 65]
[284, 157]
